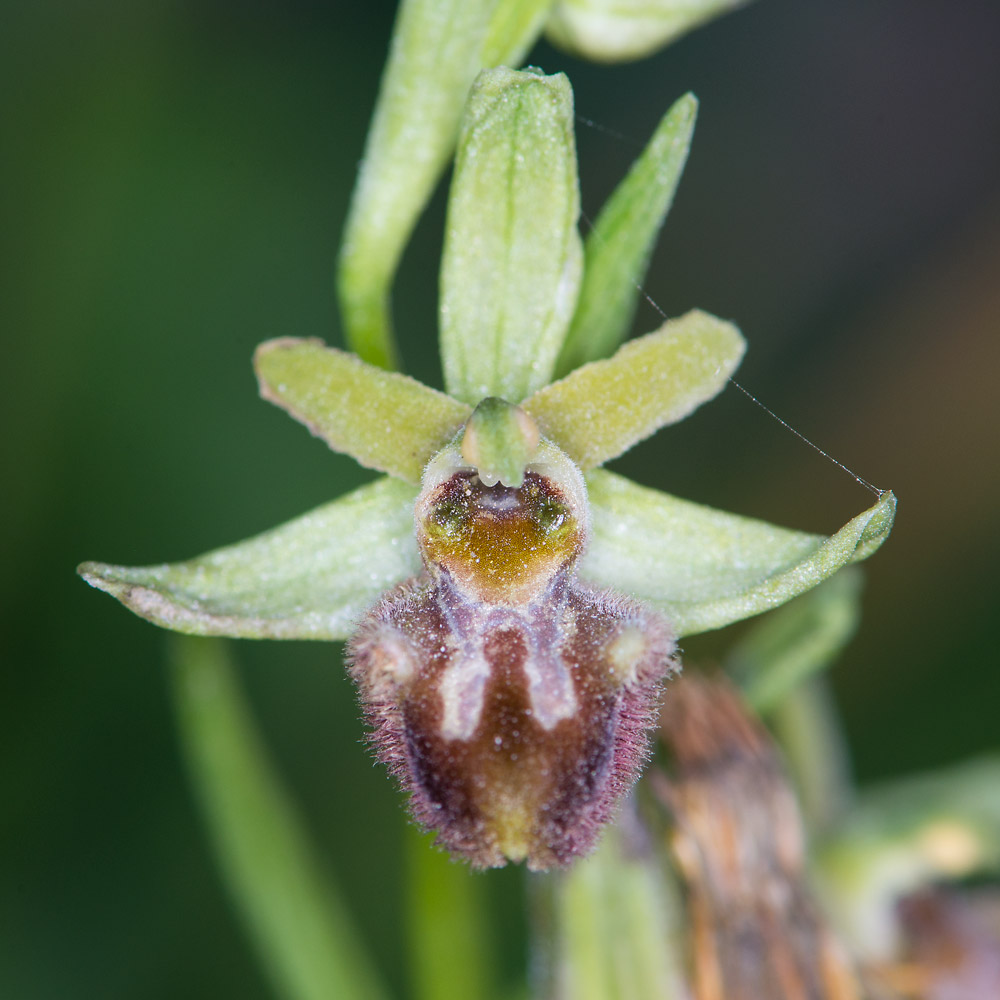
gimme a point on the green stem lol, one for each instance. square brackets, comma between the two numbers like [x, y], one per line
[435, 54]
[615, 923]
[301, 929]
[806, 725]
[449, 944]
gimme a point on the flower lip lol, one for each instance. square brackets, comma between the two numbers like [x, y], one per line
[518, 731]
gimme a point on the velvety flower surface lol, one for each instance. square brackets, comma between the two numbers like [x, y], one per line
[513, 605]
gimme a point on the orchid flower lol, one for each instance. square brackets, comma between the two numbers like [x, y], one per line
[512, 606]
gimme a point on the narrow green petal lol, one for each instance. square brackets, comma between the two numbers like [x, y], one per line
[301, 928]
[308, 579]
[801, 639]
[386, 421]
[617, 249]
[512, 256]
[514, 29]
[435, 55]
[605, 407]
[619, 30]
[704, 568]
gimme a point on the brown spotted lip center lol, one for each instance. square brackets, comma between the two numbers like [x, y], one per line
[499, 544]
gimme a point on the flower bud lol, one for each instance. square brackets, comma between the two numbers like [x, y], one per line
[619, 30]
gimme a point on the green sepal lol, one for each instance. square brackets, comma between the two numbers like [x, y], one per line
[705, 568]
[435, 55]
[308, 579]
[512, 255]
[384, 420]
[618, 248]
[620, 30]
[601, 410]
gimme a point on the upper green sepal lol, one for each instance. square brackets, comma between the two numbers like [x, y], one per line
[308, 579]
[514, 28]
[384, 420]
[705, 568]
[513, 257]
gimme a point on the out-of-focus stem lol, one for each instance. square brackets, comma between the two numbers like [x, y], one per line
[301, 930]
[449, 944]
[613, 923]
[806, 725]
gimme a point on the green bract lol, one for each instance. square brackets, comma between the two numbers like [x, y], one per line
[510, 281]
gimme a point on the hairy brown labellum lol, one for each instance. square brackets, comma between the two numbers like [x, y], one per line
[510, 699]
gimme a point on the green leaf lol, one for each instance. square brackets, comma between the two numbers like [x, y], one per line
[618, 30]
[616, 922]
[704, 568]
[605, 407]
[514, 29]
[302, 930]
[435, 55]
[617, 249]
[447, 926]
[801, 639]
[512, 255]
[386, 421]
[308, 579]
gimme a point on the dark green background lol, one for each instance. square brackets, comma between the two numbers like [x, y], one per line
[174, 181]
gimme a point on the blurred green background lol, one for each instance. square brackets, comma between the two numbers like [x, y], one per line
[175, 177]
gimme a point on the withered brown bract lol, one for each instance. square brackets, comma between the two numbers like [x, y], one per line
[757, 930]
[511, 700]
